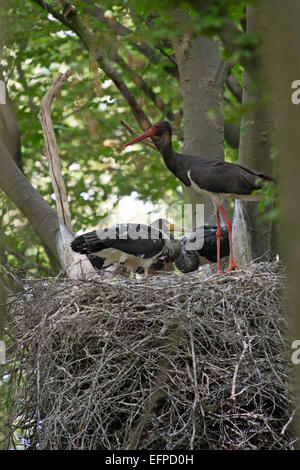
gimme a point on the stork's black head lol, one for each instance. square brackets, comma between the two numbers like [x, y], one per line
[158, 129]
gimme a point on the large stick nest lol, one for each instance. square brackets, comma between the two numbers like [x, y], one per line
[196, 361]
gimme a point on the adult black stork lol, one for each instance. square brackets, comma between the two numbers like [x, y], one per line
[135, 245]
[220, 180]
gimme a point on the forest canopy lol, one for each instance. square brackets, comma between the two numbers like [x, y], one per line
[115, 51]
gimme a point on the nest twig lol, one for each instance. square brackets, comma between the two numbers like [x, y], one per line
[196, 361]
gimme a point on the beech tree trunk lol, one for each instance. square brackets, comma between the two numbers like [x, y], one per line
[252, 238]
[11, 136]
[9, 130]
[42, 217]
[283, 58]
[202, 76]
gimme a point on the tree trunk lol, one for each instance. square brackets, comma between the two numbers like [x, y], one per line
[9, 130]
[283, 58]
[202, 76]
[42, 217]
[11, 135]
[254, 152]
[4, 294]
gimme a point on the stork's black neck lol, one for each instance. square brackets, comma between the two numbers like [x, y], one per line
[166, 145]
[174, 162]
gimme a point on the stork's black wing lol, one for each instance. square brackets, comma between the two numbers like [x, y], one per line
[135, 239]
[223, 177]
[88, 243]
[209, 249]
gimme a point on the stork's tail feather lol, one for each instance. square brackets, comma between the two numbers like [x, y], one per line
[87, 243]
[257, 174]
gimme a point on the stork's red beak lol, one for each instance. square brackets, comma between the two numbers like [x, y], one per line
[148, 133]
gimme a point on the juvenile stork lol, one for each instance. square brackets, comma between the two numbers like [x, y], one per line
[190, 259]
[191, 256]
[134, 245]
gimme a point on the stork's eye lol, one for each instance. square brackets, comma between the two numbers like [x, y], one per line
[156, 127]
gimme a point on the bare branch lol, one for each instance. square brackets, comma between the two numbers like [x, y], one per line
[134, 134]
[139, 81]
[234, 87]
[42, 217]
[232, 134]
[68, 9]
[51, 149]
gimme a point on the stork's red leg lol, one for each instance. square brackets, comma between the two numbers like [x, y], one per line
[218, 234]
[229, 226]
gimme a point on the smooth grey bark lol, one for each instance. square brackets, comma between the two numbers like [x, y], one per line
[11, 135]
[10, 131]
[41, 216]
[282, 55]
[4, 294]
[254, 152]
[202, 78]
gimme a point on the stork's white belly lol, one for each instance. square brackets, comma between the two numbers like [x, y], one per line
[113, 255]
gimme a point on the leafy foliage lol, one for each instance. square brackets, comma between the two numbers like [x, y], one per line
[87, 115]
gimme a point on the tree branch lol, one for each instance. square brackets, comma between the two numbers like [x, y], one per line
[139, 81]
[134, 134]
[232, 134]
[4, 295]
[41, 216]
[121, 30]
[234, 87]
[74, 23]
[229, 33]
[51, 150]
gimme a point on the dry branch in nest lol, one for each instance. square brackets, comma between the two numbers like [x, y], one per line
[198, 361]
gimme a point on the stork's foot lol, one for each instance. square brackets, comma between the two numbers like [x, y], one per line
[232, 267]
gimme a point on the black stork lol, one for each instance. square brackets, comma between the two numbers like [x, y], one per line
[135, 245]
[220, 180]
[190, 259]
